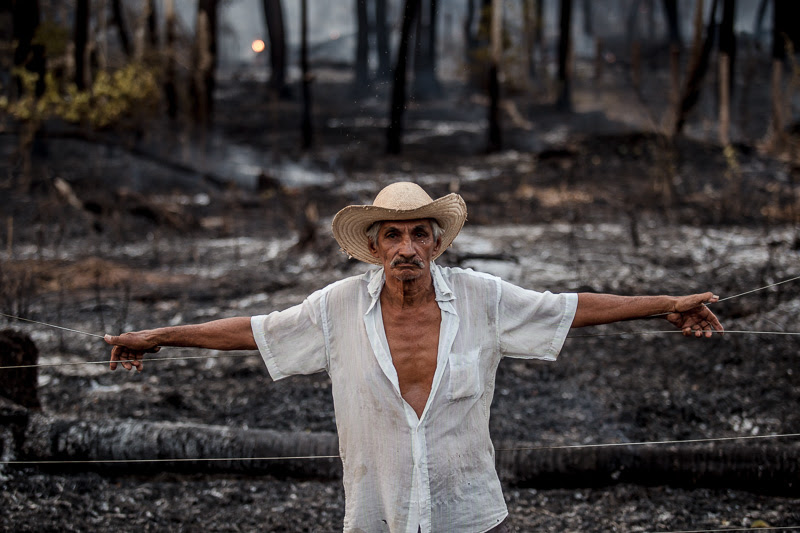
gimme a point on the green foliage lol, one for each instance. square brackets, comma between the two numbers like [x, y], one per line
[112, 97]
[54, 37]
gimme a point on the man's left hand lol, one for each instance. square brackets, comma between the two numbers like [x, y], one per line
[693, 317]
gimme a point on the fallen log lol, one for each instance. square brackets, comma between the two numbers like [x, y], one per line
[108, 445]
[772, 468]
[127, 446]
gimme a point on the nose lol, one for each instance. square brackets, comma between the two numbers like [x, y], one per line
[406, 248]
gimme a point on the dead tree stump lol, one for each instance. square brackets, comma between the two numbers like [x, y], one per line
[19, 384]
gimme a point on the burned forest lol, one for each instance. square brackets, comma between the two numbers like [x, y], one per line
[169, 162]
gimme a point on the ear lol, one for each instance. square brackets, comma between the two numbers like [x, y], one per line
[437, 245]
[372, 248]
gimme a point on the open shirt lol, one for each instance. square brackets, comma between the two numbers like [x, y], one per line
[404, 473]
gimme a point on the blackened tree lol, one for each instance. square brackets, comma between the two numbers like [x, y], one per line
[698, 65]
[81, 35]
[382, 41]
[564, 99]
[362, 48]
[273, 14]
[118, 17]
[27, 54]
[205, 60]
[306, 128]
[426, 84]
[727, 58]
[394, 133]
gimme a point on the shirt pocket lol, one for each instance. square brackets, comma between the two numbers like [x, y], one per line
[465, 375]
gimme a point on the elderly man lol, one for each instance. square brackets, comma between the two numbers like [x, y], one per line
[412, 350]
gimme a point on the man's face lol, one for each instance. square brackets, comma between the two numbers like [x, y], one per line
[405, 247]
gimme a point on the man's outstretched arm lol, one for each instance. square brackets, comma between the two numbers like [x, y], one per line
[687, 313]
[224, 334]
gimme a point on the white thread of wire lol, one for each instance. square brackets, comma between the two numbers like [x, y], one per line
[654, 332]
[760, 528]
[155, 359]
[758, 289]
[616, 334]
[307, 457]
[223, 355]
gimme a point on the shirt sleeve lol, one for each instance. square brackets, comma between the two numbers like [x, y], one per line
[293, 341]
[533, 325]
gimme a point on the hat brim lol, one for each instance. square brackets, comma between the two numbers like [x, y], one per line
[350, 225]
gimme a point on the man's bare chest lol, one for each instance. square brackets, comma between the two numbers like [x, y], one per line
[413, 340]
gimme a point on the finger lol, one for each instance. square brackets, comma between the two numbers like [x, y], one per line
[114, 357]
[715, 324]
[125, 357]
[111, 339]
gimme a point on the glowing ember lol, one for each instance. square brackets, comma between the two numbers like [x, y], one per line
[258, 46]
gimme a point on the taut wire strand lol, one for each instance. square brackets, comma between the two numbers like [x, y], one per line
[758, 289]
[51, 325]
[760, 528]
[615, 334]
[309, 457]
[154, 359]
[658, 332]
[655, 442]
[224, 355]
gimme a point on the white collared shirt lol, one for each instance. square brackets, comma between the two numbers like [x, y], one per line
[404, 473]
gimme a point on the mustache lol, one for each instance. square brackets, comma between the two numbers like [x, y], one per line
[416, 261]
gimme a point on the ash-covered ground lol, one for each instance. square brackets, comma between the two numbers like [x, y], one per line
[611, 212]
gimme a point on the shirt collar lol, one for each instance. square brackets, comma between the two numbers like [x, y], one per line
[378, 277]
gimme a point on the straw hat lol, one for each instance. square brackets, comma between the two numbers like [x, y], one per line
[398, 201]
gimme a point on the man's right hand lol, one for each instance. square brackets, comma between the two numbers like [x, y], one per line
[129, 348]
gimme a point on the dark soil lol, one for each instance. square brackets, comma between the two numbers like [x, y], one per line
[602, 209]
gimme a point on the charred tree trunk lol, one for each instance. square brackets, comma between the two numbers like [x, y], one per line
[273, 13]
[727, 60]
[25, 19]
[673, 27]
[382, 41]
[128, 446]
[394, 133]
[765, 468]
[362, 48]
[80, 38]
[470, 40]
[528, 24]
[124, 442]
[205, 60]
[426, 85]
[306, 128]
[780, 10]
[122, 30]
[588, 30]
[701, 54]
[495, 140]
[758, 24]
[152, 25]
[675, 46]
[170, 88]
[19, 384]
[564, 100]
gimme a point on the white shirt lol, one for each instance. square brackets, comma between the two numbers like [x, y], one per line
[403, 473]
